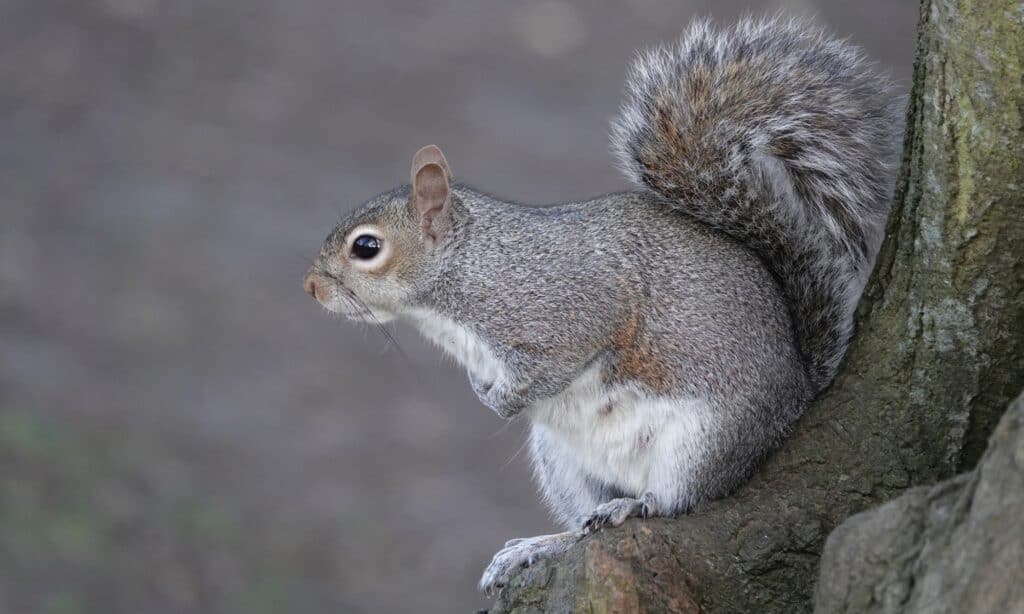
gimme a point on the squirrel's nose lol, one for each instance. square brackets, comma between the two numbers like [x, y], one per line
[309, 283]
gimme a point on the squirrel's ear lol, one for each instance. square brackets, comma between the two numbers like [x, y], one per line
[431, 191]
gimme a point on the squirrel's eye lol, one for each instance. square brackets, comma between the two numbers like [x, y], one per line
[366, 247]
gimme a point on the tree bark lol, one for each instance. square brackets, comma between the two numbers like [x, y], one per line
[942, 549]
[938, 354]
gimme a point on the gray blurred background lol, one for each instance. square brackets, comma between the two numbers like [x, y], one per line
[181, 428]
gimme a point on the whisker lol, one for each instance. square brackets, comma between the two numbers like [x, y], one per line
[365, 311]
[516, 454]
[504, 427]
[387, 335]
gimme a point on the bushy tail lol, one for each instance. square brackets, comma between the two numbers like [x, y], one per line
[783, 138]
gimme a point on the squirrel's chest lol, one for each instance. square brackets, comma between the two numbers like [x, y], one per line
[461, 344]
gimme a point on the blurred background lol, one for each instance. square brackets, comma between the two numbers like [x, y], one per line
[182, 429]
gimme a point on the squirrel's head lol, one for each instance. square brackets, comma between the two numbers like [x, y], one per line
[369, 266]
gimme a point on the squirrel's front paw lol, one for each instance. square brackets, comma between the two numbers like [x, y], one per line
[480, 386]
[497, 396]
[521, 553]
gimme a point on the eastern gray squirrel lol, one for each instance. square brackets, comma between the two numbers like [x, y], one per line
[661, 341]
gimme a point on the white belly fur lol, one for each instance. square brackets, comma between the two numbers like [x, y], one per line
[641, 444]
[637, 443]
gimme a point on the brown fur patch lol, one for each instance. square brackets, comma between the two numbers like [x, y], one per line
[637, 359]
[661, 162]
[786, 148]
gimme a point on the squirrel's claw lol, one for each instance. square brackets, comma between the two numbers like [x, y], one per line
[616, 511]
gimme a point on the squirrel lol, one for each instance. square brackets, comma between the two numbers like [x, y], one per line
[661, 341]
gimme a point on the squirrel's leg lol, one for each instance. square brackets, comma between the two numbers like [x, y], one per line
[570, 494]
[681, 454]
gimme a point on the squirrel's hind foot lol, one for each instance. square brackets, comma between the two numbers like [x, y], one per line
[521, 553]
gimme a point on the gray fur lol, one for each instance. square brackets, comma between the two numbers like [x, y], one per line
[663, 341]
[779, 135]
[713, 317]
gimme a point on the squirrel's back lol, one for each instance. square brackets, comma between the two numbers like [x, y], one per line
[785, 139]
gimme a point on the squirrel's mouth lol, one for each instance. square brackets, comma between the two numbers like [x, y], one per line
[355, 310]
[366, 315]
[337, 299]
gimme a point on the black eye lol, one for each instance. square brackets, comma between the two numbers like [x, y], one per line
[365, 247]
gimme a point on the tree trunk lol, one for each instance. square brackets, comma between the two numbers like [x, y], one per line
[938, 354]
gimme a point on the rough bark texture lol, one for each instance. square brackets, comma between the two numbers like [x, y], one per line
[939, 353]
[953, 547]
